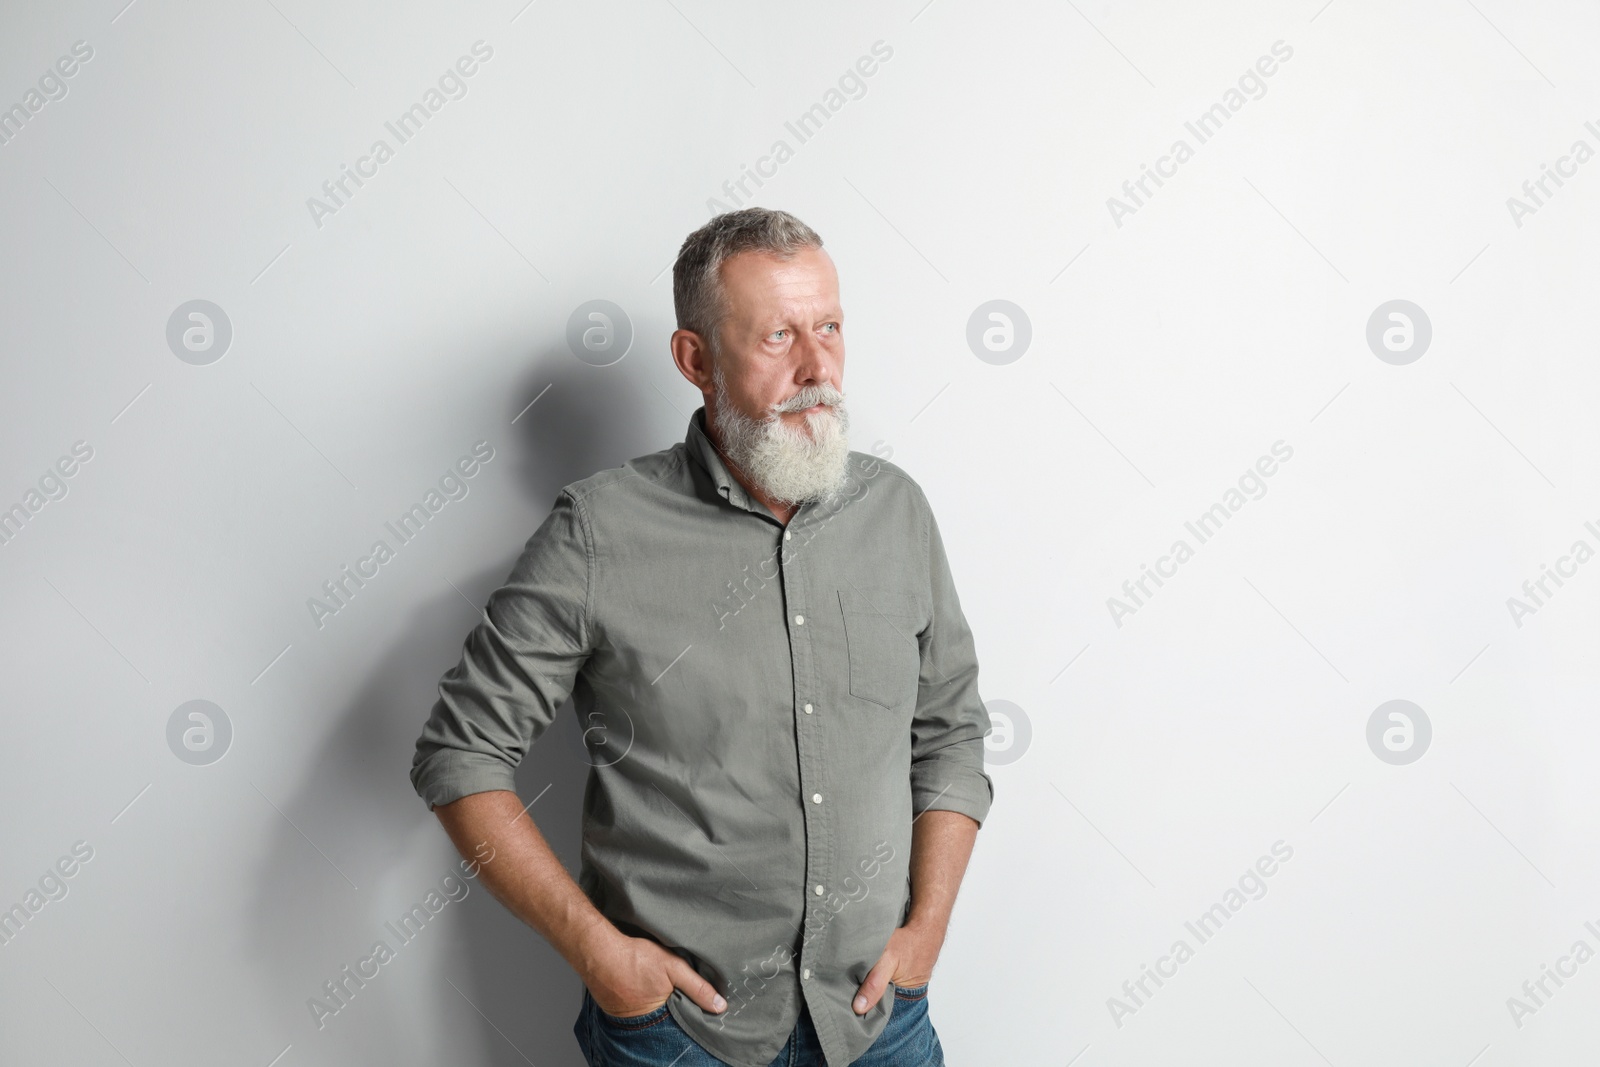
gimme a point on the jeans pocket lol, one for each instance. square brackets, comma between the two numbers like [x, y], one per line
[629, 1022]
[916, 992]
[653, 1039]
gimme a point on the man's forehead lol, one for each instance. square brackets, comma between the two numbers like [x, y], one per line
[766, 284]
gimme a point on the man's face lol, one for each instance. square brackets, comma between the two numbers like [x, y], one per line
[783, 331]
[772, 397]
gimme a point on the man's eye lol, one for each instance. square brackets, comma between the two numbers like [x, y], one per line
[834, 326]
[776, 334]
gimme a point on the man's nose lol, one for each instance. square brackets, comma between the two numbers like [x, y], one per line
[811, 362]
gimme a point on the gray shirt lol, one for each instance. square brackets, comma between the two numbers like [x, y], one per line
[766, 709]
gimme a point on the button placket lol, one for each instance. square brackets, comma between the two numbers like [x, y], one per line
[819, 837]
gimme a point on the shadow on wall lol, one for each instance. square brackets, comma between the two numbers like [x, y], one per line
[356, 802]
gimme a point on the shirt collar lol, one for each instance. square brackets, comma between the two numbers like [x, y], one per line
[705, 453]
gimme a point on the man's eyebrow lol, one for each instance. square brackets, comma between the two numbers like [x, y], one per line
[779, 320]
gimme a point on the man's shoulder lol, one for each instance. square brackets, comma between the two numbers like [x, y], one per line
[638, 474]
[877, 471]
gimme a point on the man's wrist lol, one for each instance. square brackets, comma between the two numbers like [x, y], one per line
[589, 943]
[932, 925]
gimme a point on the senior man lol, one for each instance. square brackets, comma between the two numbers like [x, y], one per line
[760, 634]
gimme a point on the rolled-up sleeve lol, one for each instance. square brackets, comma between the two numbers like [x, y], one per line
[948, 729]
[517, 667]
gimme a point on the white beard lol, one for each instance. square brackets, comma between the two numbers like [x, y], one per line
[787, 463]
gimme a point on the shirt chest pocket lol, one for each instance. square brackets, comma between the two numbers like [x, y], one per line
[881, 630]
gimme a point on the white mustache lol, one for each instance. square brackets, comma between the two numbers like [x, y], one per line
[802, 400]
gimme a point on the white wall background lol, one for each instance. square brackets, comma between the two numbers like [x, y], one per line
[1168, 353]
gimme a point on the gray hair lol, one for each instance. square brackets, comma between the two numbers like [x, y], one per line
[697, 293]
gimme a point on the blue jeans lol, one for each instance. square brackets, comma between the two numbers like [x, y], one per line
[656, 1039]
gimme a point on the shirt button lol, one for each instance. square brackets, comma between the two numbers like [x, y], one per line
[799, 620]
[786, 535]
[808, 709]
[819, 890]
[816, 798]
[806, 973]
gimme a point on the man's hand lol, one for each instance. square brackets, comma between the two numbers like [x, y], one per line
[630, 976]
[907, 960]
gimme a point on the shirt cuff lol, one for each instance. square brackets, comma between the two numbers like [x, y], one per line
[953, 781]
[448, 775]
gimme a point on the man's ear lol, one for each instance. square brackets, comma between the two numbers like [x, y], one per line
[692, 356]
